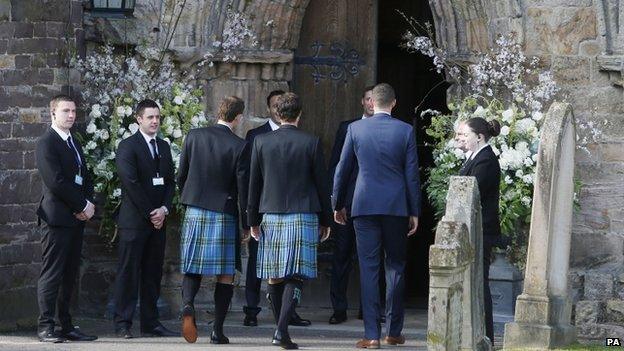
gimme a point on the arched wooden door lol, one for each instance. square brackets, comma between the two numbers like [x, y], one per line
[335, 59]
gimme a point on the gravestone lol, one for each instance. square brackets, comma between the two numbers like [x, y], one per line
[456, 316]
[542, 318]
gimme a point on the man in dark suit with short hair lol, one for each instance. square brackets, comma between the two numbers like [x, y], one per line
[252, 282]
[344, 235]
[145, 168]
[385, 208]
[66, 203]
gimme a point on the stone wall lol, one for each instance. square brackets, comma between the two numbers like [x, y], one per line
[581, 42]
[36, 37]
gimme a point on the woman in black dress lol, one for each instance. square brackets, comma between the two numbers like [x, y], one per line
[473, 136]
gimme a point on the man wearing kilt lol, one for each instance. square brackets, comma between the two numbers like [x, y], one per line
[213, 179]
[288, 209]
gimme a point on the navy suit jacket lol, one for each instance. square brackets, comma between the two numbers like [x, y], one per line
[387, 182]
[339, 141]
[253, 133]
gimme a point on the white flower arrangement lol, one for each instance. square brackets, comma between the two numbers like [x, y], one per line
[503, 84]
[112, 86]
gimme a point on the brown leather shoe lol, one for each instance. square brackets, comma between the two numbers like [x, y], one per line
[395, 340]
[189, 328]
[367, 344]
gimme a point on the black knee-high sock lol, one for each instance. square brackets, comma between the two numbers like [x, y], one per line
[275, 292]
[190, 287]
[222, 297]
[292, 292]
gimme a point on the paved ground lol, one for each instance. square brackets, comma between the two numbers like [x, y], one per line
[319, 336]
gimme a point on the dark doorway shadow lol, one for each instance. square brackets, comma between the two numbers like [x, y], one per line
[412, 76]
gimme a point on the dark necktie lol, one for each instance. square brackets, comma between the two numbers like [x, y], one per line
[70, 143]
[155, 155]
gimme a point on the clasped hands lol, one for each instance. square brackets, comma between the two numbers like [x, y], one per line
[157, 216]
[87, 213]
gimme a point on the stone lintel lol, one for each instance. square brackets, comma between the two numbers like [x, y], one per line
[192, 55]
[614, 65]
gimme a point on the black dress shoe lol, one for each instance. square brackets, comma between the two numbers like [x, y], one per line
[283, 340]
[124, 332]
[250, 321]
[338, 317]
[159, 331]
[76, 335]
[297, 321]
[218, 339]
[49, 335]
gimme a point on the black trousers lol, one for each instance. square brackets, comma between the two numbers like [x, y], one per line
[252, 282]
[343, 258]
[141, 256]
[61, 249]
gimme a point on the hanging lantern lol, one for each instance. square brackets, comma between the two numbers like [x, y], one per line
[112, 8]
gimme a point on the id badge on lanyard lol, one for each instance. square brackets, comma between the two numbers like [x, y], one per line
[78, 178]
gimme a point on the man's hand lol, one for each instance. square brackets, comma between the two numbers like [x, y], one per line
[340, 216]
[157, 216]
[90, 210]
[413, 225]
[255, 232]
[246, 236]
[81, 216]
[324, 233]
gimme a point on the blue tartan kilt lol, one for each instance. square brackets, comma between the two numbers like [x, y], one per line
[208, 242]
[287, 245]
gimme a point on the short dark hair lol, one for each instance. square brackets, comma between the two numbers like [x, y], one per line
[272, 94]
[480, 126]
[383, 95]
[289, 107]
[367, 89]
[230, 107]
[58, 98]
[147, 103]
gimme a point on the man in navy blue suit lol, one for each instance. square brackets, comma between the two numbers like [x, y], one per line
[385, 208]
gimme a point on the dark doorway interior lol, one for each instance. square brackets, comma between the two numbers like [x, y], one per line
[412, 76]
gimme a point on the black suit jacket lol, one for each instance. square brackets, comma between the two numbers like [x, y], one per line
[61, 196]
[214, 171]
[288, 175]
[486, 169]
[335, 158]
[253, 133]
[136, 169]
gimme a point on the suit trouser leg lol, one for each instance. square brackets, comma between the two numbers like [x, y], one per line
[70, 274]
[55, 244]
[151, 276]
[487, 294]
[395, 247]
[252, 282]
[342, 263]
[368, 236]
[131, 245]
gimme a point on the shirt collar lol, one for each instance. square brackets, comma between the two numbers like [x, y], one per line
[273, 125]
[61, 133]
[223, 123]
[146, 137]
[365, 116]
[379, 112]
[474, 154]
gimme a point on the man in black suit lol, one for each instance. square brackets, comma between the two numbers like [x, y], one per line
[252, 282]
[344, 235]
[145, 168]
[66, 203]
[213, 178]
